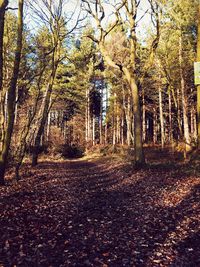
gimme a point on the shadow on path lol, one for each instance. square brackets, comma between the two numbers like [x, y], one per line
[86, 214]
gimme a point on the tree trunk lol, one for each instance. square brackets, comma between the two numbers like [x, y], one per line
[184, 99]
[161, 117]
[12, 95]
[179, 119]
[143, 117]
[128, 122]
[122, 129]
[44, 115]
[93, 130]
[3, 5]
[138, 146]
[170, 117]
[129, 74]
[86, 117]
[48, 125]
[101, 120]
[155, 135]
[106, 123]
[198, 87]
[114, 121]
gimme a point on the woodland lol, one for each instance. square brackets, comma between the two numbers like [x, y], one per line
[99, 133]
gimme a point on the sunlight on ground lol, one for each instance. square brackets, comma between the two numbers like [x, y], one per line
[172, 197]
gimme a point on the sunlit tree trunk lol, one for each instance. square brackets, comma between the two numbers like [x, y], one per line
[170, 117]
[49, 125]
[101, 119]
[143, 117]
[3, 5]
[122, 129]
[114, 121]
[184, 98]
[131, 79]
[128, 122]
[198, 87]
[12, 95]
[106, 124]
[138, 146]
[155, 134]
[43, 115]
[93, 130]
[161, 116]
[86, 117]
[117, 125]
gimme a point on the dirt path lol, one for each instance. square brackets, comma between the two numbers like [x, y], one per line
[98, 214]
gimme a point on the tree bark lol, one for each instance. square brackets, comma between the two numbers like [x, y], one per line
[184, 99]
[3, 5]
[44, 115]
[93, 130]
[161, 117]
[138, 146]
[170, 117]
[12, 95]
[143, 116]
[198, 87]
[155, 135]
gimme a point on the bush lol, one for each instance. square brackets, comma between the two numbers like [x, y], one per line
[70, 151]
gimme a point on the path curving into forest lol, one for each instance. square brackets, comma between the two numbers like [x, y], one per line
[99, 213]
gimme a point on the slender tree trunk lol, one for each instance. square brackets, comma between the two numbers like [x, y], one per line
[3, 5]
[128, 122]
[114, 121]
[118, 125]
[184, 99]
[161, 116]
[12, 95]
[48, 125]
[127, 110]
[86, 117]
[143, 117]
[198, 87]
[155, 136]
[93, 130]
[101, 119]
[122, 129]
[106, 123]
[193, 123]
[170, 118]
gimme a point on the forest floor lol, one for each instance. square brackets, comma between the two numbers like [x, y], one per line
[101, 212]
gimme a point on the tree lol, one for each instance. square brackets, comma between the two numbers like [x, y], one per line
[3, 5]
[128, 69]
[12, 95]
[198, 87]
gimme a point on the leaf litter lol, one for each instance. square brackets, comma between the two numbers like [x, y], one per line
[96, 213]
